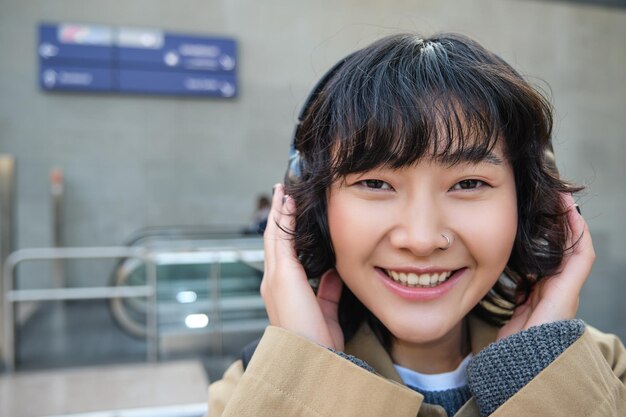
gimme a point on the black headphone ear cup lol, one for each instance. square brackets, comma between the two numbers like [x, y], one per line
[294, 168]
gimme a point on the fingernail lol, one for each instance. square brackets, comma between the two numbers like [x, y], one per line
[578, 209]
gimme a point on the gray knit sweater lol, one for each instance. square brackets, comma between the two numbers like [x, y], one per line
[500, 370]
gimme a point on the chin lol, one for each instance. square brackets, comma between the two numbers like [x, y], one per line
[417, 331]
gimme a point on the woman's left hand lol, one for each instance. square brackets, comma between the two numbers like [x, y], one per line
[556, 298]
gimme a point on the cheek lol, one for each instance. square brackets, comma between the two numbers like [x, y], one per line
[355, 228]
[339, 226]
[489, 232]
[344, 218]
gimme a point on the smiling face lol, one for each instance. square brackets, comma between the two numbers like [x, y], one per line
[387, 228]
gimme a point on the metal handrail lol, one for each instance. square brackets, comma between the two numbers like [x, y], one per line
[178, 232]
[152, 258]
[12, 295]
[89, 293]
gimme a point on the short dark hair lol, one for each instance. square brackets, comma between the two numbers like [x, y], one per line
[404, 98]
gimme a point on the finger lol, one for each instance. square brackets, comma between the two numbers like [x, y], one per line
[269, 236]
[575, 221]
[277, 198]
[278, 239]
[581, 239]
[286, 226]
[329, 294]
[269, 239]
[578, 262]
[280, 253]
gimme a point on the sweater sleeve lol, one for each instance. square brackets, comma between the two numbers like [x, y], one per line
[554, 369]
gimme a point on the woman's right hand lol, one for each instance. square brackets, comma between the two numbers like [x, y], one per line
[289, 299]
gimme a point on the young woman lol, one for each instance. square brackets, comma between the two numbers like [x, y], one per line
[448, 254]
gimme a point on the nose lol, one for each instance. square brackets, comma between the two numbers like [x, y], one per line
[419, 227]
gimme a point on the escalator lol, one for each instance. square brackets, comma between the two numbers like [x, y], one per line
[207, 289]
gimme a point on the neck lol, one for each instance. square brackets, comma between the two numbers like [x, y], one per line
[434, 357]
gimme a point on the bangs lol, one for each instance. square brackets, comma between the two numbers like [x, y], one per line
[407, 99]
[401, 135]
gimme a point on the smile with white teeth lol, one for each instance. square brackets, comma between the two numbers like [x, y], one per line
[418, 280]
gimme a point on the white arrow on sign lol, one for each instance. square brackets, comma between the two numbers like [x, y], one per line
[227, 62]
[47, 50]
[49, 78]
[227, 89]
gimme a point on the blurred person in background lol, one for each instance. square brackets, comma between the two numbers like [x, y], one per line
[259, 217]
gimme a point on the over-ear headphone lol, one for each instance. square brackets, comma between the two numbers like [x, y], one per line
[295, 165]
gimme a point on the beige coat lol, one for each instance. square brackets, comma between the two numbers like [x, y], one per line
[292, 376]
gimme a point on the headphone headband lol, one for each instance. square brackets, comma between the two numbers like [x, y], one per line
[294, 168]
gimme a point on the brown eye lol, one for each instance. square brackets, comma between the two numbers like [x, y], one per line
[375, 184]
[468, 184]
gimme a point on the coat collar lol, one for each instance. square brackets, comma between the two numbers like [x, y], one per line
[365, 346]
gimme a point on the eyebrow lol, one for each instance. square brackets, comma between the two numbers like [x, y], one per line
[471, 155]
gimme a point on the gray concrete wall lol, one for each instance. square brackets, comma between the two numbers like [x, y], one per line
[134, 161]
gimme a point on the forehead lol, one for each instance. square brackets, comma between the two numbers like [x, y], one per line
[449, 141]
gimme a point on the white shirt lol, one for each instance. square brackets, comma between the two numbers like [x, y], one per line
[435, 382]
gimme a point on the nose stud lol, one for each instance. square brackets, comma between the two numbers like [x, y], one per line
[448, 240]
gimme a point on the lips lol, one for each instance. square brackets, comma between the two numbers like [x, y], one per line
[416, 280]
[417, 292]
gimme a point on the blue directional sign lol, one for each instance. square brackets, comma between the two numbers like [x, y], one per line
[176, 52]
[99, 58]
[173, 82]
[56, 77]
[83, 45]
